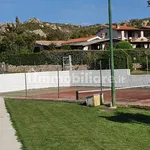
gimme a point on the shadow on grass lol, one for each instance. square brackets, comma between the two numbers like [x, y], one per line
[129, 118]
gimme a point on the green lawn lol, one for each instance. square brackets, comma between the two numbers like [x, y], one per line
[139, 72]
[64, 126]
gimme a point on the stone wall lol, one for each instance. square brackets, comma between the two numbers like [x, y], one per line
[39, 68]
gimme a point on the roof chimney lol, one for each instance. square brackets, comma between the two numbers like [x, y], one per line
[117, 26]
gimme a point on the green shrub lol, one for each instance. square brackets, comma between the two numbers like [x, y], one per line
[66, 47]
[139, 54]
[144, 63]
[121, 60]
[91, 58]
[123, 45]
[45, 57]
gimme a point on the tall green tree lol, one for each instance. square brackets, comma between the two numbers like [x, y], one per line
[16, 39]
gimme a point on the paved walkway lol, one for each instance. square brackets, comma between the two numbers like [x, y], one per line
[8, 140]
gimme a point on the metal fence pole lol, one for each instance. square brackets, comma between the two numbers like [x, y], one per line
[58, 81]
[77, 95]
[101, 78]
[109, 64]
[147, 64]
[127, 63]
[26, 87]
[111, 55]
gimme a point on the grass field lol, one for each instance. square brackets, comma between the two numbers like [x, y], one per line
[65, 126]
[139, 72]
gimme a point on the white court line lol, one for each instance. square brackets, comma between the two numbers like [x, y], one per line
[90, 91]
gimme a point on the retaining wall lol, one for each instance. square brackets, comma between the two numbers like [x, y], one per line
[37, 80]
[92, 77]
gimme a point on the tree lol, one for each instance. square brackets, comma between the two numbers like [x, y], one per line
[17, 20]
[15, 39]
[66, 47]
[123, 45]
[52, 46]
[121, 60]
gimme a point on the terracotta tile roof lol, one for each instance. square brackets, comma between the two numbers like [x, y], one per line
[119, 27]
[49, 42]
[83, 39]
[146, 27]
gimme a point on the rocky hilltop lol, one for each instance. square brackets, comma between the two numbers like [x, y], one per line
[57, 31]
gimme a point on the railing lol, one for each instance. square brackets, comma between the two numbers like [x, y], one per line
[139, 40]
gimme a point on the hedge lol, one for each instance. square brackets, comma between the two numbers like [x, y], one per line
[78, 57]
[121, 60]
[139, 54]
[55, 57]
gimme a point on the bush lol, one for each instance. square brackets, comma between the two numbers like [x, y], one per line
[66, 47]
[45, 57]
[91, 58]
[144, 63]
[121, 60]
[123, 45]
[139, 54]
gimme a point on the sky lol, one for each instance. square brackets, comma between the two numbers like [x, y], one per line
[81, 12]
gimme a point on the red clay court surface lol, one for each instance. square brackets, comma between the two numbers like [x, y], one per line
[134, 95]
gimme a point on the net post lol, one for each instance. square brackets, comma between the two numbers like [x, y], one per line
[101, 84]
[26, 88]
[101, 78]
[147, 63]
[127, 63]
[77, 95]
[58, 81]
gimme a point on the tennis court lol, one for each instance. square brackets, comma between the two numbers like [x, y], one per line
[131, 95]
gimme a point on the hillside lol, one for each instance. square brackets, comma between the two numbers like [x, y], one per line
[52, 31]
[20, 37]
[56, 31]
[137, 22]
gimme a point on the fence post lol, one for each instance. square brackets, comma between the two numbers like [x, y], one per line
[147, 64]
[26, 88]
[101, 79]
[77, 95]
[109, 64]
[127, 63]
[58, 81]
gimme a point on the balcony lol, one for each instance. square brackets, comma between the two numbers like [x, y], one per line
[141, 39]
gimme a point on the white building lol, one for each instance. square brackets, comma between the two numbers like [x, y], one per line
[137, 37]
[121, 32]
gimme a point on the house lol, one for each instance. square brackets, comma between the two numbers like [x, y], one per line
[80, 43]
[146, 31]
[139, 38]
[40, 45]
[84, 43]
[120, 32]
[97, 44]
[144, 40]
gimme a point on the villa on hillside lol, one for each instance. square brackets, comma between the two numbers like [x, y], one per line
[84, 43]
[139, 38]
[94, 43]
[40, 45]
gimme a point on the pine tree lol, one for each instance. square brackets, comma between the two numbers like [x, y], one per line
[17, 20]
